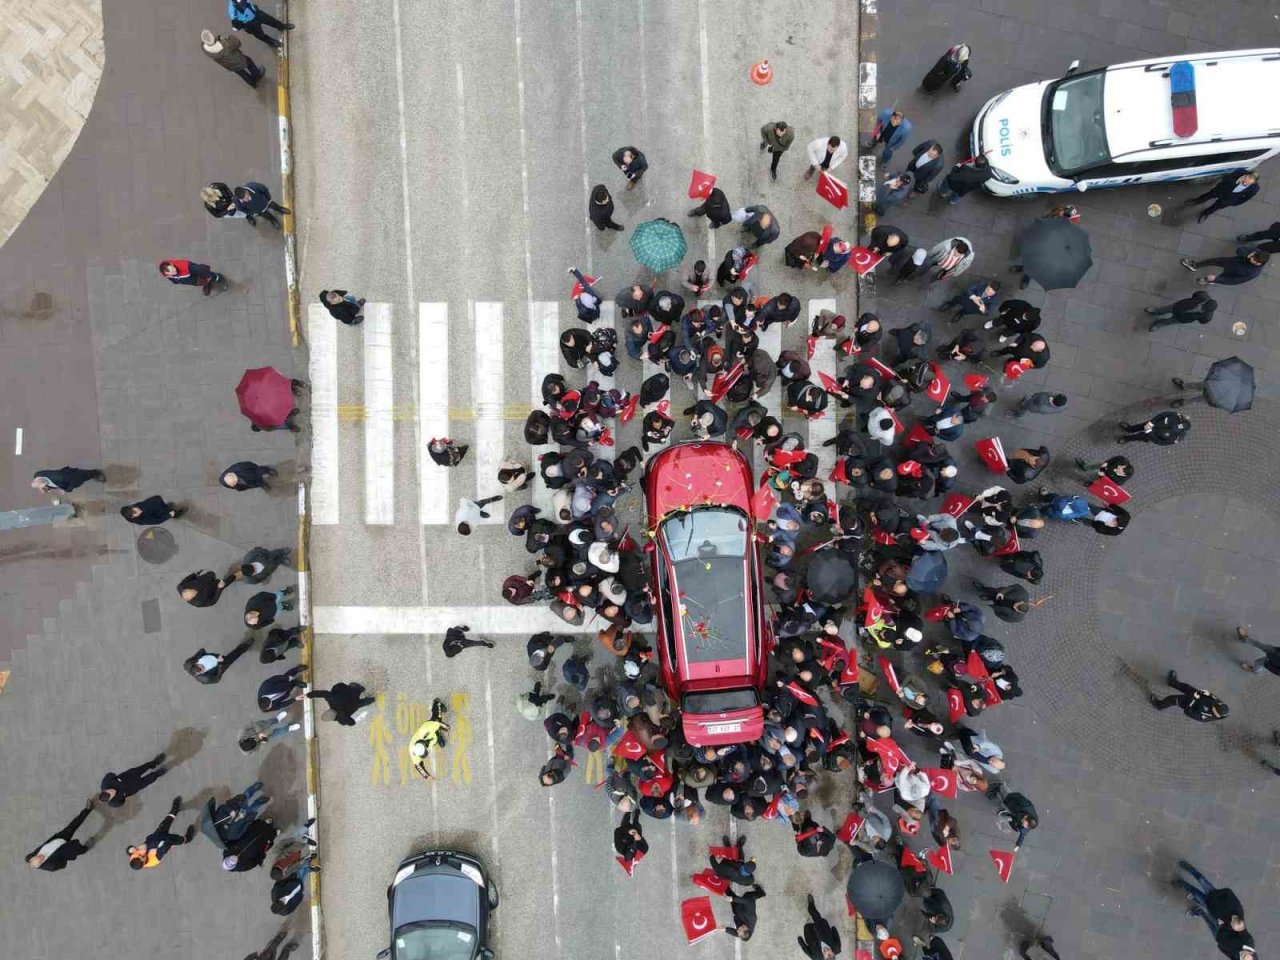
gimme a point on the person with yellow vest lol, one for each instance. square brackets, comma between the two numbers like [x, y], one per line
[160, 841]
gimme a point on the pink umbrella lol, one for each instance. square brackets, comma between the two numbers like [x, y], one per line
[266, 396]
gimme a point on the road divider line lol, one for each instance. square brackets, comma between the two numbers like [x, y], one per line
[488, 388]
[433, 401]
[322, 343]
[544, 358]
[770, 343]
[394, 621]
[824, 428]
[379, 427]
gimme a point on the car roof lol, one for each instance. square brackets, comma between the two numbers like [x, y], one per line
[1139, 116]
[713, 632]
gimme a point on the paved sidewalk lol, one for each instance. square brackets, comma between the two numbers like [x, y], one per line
[1123, 792]
[104, 363]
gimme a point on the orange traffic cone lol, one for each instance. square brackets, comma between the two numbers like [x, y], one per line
[761, 73]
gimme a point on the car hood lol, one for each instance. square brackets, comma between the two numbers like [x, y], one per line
[1011, 136]
[431, 895]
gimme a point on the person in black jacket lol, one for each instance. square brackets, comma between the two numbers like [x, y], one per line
[342, 306]
[1110, 521]
[1243, 267]
[279, 642]
[629, 841]
[1269, 661]
[1025, 465]
[1200, 705]
[262, 607]
[926, 163]
[151, 511]
[246, 475]
[1117, 469]
[254, 200]
[1231, 191]
[61, 848]
[820, 940]
[600, 208]
[209, 667]
[964, 178]
[937, 911]
[632, 163]
[116, 788]
[1197, 308]
[64, 479]
[159, 841]
[275, 692]
[250, 851]
[345, 700]
[715, 208]
[204, 587]
[744, 912]
[1219, 908]
[1164, 429]
[1270, 238]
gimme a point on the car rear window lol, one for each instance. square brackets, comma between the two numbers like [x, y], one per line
[719, 701]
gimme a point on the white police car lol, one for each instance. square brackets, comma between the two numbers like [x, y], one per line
[1116, 125]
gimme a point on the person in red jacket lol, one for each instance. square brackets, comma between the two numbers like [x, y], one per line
[188, 273]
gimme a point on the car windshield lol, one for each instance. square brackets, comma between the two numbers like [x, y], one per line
[719, 701]
[706, 532]
[1075, 125]
[435, 940]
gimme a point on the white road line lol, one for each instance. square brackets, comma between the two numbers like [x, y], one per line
[404, 149]
[17, 442]
[587, 226]
[322, 343]
[505, 620]
[524, 155]
[705, 61]
[824, 361]
[433, 410]
[493, 761]
[544, 358]
[488, 394]
[555, 870]
[379, 427]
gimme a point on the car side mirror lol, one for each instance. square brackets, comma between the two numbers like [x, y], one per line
[384, 953]
[1074, 66]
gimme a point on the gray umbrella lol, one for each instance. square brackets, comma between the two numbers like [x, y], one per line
[831, 577]
[1055, 253]
[1229, 385]
[875, 889]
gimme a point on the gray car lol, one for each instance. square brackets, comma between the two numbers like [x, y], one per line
[440, 903]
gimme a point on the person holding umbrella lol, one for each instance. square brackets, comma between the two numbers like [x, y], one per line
[266, 398]
[1228, 385]
[658, 245]
[1053, 251]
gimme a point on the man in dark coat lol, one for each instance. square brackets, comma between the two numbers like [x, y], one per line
[342, 306]
[253, 199]
[1243, 267]
[1164, 429]
[744, 912]
[925, 164]
[1219, 908]
[209, 667]
[160, 841]
[784, 309]
[204, 587]
[151, 511]
[964, 178]
[345, 700]
[61, 848]
[263, 606]
[116, 788]
[1269, 661]
[776, 138]
[64, 479]
[937, 911]
[1270, 238]
[812, 839]
[715, 208]
[1117, 469]
[1231, 191]
[632, 163]
[1200, 705]
[247, 475]
[761, 224]
[250, 851]
[820, 940]
[1197, 308]
[600, 209]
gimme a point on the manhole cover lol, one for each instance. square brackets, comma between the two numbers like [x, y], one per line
[156, 545]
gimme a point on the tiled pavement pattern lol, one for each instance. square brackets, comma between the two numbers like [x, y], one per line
[106, 364]
[1123, 792]
[51, 56]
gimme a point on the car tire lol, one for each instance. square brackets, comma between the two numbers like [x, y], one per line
[492, 893]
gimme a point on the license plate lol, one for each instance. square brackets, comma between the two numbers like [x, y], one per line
[725, 727]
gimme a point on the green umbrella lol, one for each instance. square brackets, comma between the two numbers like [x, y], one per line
[658, 245]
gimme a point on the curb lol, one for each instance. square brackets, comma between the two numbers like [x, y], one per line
[286, 186]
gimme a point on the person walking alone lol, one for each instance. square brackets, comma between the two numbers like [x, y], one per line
[820, 940]
[632, 163]
[160, 841]
[776, 137]
[456, 640]
[1164, 429]
[1220, 909]
[247, 475]
[445, 453]
[892, 129]
[116, 788]
[209, 667]
[345, 700]
[226, 53]
[254, 200]
[188, 273]
[63, 847]
[1243, 267]
[204, 587]
[1197, 308]
[827, 153]
[1042, 401]
[1200, 705]
[244, 15]
[471, 512]
[343, 307]
[600, 208]
[1269, 661]
[65, 479]
[151, 511]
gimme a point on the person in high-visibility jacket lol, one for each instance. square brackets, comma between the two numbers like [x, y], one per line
[429, 735]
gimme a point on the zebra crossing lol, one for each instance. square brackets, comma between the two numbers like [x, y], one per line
[486, 398]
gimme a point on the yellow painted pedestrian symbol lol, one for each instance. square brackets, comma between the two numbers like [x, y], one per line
[380, 738]
[460, 738]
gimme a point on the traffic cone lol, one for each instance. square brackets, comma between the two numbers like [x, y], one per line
[761, 73]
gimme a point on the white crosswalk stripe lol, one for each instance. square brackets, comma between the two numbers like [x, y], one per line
[487, 399]
[544, 358]
[433, 403]
[322, 340]
[379, 425]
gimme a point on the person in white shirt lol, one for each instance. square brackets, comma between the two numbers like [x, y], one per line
[471, 512]
[826, 154]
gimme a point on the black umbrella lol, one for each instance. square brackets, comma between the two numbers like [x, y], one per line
[831, 577]
[875, 889]
[1229, 385]
[1055, 253]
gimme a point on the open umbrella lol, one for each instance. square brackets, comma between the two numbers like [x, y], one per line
[1229, 385]
[266, 396]
[658, 245]
[1055, 253]
[875, 889]
[831, 577]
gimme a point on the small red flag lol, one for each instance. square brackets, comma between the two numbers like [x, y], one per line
[698, 918]
[975, 667]
[975, 381]
[917, 434]
[763, 502]
[942, 781]
[825, 238]
[956, 504]
[628, 866]
[1109, 492]
[991, 450]
[940, 387]
[849, 672]
[890, 675]
[849, 829]
[1003, 859]
[811, 344]
[863, 260]
[700, 185]
[1014, 369]
[708, 881]
[909, 859]
[940, 859]
[577, 286]
[879, 367]
[629, 747]
[908, 826]
[725, 380]
[874, 609]
[891, 755]
[830, 384]
[629, 408]
[955, 705]
[833, 190]
[1011, 546]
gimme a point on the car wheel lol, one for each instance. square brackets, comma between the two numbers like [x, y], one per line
[493, 895]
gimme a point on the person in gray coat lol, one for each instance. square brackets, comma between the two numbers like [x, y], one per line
[226, 53]
[926, 163]
[1042, 401]
[892, 191]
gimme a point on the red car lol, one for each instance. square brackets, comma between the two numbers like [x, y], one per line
[713, 630]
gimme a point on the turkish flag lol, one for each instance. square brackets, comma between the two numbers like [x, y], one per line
[629, 408]
[937, 614]
[763, 502]
[829, 384]
[891, 755]
[725, 853]
[825, 238]
[784, 458]
[628, 866]
[1012, 545]
[577, 287]
[917, 434]
[874, 609]
[940, 859]
[908, 826]
[849, 672]
[629, 747]
[880, 368]
[810, 344]
[940, 387]
[833, 190]
[698, 918]
[839, 473]
[700, 185]
[864, 260]
[955, 704]
[942, 781]
[726, 379]
[849, 829]
[975, 381]
[890, 677]
[956, 504]
[1109, 492]
[991, 450]
[848, 346]
[708, 881]
[1014, 369]
[1003, 859]
[975, 667]
[990, 693]
[909, 859]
